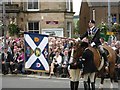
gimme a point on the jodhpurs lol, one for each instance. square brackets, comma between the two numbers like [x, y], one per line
[90, 75]
[101, 49]
[74, 74]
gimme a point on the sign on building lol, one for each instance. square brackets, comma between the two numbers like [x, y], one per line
[53, 32]
[36, 52]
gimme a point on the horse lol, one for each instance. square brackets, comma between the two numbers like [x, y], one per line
[99, 62]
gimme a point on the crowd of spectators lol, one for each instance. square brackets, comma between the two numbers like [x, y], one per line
[59, 54]
[12, 55]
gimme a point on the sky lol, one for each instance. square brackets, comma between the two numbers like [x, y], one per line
[76, 6]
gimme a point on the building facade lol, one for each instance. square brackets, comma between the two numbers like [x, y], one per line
[98, 11]
[51, 18]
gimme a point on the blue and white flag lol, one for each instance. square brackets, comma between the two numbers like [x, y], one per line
[36, 51]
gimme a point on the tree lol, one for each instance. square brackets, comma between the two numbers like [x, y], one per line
[103, 31]
[116, 28]
[13, 29]
[77, 29]
[103, 28]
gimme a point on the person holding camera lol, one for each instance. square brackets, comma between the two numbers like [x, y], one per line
[56, 63]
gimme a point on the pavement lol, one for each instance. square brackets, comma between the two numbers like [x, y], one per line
[34, 76]
[41, 81]
[44, 76]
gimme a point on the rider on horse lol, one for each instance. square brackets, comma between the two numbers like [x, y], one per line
[93, 35]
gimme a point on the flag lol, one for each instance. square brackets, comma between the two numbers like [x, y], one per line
[36, 51]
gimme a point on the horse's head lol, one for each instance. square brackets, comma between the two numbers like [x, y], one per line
[78, 50]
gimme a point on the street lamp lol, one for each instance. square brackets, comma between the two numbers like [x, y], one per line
[109, 15]
[4, 23]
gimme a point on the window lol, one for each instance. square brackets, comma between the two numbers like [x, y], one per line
[53, 32]
[33, 5]
[68, 5]
[68, 29]
[9, 2]
[33, 27]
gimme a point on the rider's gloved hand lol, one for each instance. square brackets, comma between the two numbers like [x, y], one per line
[92, 44]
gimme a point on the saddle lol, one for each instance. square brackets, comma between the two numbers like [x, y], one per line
[99, 52]
[98, 56]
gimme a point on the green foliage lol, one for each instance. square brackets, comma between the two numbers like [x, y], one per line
[116, 28]
[103, 31]
[103, 28]
[77, 28]
[13, 29]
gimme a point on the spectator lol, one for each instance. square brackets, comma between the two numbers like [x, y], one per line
[103, 42]
[9, 47]
[56, 63]
[65, 63]
[15, 57]
[7, 61]
[20, 61]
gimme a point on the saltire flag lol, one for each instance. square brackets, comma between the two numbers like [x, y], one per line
[36, 52]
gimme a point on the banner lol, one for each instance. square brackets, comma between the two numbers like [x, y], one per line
[36, 52]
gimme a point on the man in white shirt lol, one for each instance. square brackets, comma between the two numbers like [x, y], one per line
[56, 63]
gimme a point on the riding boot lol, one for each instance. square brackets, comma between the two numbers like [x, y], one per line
[85, 85]
[88, 84]
[72, 85]
[93, 85]
[76, 85]
[105, 59]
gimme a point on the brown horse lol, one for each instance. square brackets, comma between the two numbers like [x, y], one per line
[100, 63]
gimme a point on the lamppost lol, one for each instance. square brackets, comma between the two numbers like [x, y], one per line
[109, 15]
[4, 23]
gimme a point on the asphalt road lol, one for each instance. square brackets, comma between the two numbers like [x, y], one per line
[10, 81]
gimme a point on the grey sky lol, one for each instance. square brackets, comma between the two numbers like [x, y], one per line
[76, 6]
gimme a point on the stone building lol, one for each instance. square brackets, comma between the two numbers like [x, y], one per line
[51, 18]
[98, 11]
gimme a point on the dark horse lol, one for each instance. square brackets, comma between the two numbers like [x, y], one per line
[99, 63]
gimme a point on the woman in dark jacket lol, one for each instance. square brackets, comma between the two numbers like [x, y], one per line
[75, 67]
